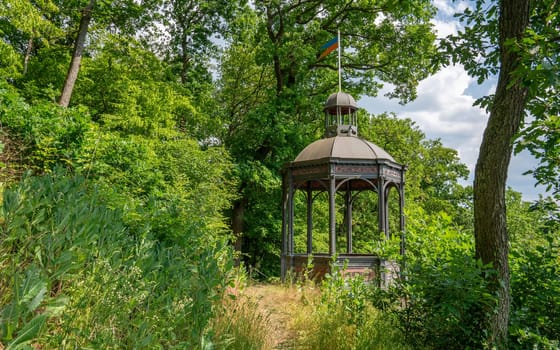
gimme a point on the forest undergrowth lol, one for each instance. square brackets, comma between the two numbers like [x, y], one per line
[124, 212]
[79, 271]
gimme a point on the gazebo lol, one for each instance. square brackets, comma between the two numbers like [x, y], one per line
[344, 165]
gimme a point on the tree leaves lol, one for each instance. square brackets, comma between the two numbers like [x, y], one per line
[476, 47]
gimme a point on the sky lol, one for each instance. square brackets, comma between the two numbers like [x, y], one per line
[444, 110]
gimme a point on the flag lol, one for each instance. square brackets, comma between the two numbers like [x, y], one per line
[329, 47]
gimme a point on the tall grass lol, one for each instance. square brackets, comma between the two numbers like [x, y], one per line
[345, 318]
[75, 275]
[330, 329]
[240, 325]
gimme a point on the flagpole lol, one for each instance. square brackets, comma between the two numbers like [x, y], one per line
[339, 66]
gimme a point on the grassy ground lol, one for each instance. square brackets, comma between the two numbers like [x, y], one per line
[303, 317]
[285, 308]
[264, 317]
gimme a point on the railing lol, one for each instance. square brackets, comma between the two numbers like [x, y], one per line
[318, 265]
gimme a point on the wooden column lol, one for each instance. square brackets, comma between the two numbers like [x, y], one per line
[332, 216]
[283, 262]
[289, 244]
[402, 217]
[381, 207]
[386, 211]
[348, 218]
[291, 221]
[309, 219]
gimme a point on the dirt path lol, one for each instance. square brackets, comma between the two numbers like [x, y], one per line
[282, 306]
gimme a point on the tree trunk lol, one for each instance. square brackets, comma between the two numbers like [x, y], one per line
[275, 38]
[185, 60]
[506, 115]
[237, 226]
[76, 56]
[27, 57]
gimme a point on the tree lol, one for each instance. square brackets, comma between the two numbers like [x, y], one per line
[74, 67]
[122, 17]
[519, 40]
[384, 43]
[24, 24]
[435, 170]
[541, 72]
[506, 115]
[190, 28]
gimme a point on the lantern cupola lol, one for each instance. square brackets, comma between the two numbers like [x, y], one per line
[341, 115]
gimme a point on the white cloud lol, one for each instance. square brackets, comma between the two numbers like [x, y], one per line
[444, 7]
[445, 23]
[444, 28]
[444, 109]
[449, 8]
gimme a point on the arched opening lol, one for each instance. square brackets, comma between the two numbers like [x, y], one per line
[366, 230]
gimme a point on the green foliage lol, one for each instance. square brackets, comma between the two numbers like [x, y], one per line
[64, 249]
[479, 38]
[542, 140]
[50, 134]
[29, 17]
[262, 189]
[23, 25]
[445, 290]
[189, 28]
[432, 181]
[535, 277]
[181, 187]
[9, 61]
[536, 296]
[131, 91]
[45, 74]
[345, 318]
[401, 55]
[135, 254]
[540, 74]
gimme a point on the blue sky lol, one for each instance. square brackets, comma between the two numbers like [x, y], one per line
[444, 109]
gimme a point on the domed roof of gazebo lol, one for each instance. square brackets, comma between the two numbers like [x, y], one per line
[345, 147]
[339, 99]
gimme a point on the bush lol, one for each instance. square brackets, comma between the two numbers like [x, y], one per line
[444, 292]
[73, 275]
[49, 134]
[535, 282]
[346, 318]
[535, 274]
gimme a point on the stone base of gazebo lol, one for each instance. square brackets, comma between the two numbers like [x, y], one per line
[371, 267]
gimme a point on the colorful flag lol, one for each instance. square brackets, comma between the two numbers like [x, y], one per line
[329, 47]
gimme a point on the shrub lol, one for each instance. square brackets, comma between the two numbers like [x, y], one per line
[535, 282]
[345, 318]
[74, 275]
[49, 134]
[444, 291]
